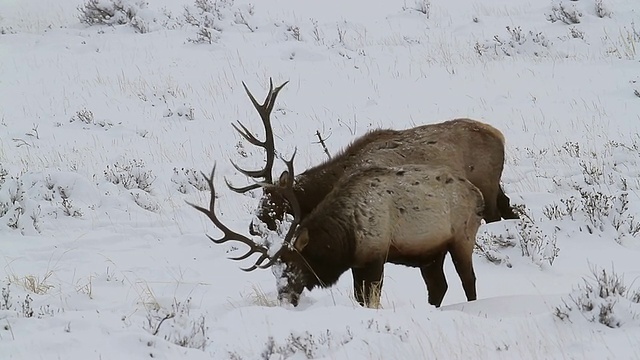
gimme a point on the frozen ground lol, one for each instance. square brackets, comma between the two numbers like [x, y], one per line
[104, 128]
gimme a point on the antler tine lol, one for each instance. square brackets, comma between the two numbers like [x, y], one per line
[250, 173]
[289, 194]
[244, 189]
[273, 93]
[264, 110]
[272, 260]
[228, 233]
[258, 264]
[247, 135]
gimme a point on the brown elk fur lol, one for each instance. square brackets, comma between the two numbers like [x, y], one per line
[473, 148]
[410, 215]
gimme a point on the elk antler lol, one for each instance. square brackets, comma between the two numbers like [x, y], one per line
[230, 234]
[268, 144]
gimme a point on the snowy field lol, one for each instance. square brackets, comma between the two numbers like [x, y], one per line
[107, 122]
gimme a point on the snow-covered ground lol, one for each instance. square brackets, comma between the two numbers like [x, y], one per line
[104, 129]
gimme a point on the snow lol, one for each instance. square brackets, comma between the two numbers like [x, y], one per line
[104, 130]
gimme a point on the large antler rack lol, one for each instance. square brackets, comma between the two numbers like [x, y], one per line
[265, 260]
[264, 110]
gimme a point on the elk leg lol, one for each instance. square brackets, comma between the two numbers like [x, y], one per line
[462, 260]
[504, 206]
[433, 275]
[491, 213]
[367, 284]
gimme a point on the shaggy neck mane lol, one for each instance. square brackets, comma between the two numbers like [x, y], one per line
[331, 252]
[315, 183]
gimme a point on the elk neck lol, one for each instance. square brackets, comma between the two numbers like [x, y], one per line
[330, 251]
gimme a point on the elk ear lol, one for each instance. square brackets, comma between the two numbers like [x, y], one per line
[283, 181]
[302, 241]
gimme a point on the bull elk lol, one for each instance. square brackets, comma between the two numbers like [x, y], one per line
[411, 215]
[452, 165]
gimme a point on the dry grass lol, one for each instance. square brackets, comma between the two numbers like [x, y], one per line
[146, 296]
[257, 297]
[625, 46]
[374, 296]
[260, 298]
[35, 284]
[85, 287]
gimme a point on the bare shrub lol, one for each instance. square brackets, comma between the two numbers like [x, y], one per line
[83, 115]
[597, 207]
[575, 33]
[489, 244]
[86, 117]
[604, 298]
[518, 42]
[3, 174]
[570, 207]
[207, 16]
[572, 148]
[342, 32]
[177, 325]
[204, 35]
[421, 6]
[5, 300]
[242, 17]
[7, 30]
[23, 308]
[114, 12]
[317, 33]
[132, 175]
[68, 208]
[601, 9]
[626, 45]
[12, 201]
[565, 13]
[187, 179]
[534, 243]
[294, 32]
[305, 344]
[145, 200]
[600, 212]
